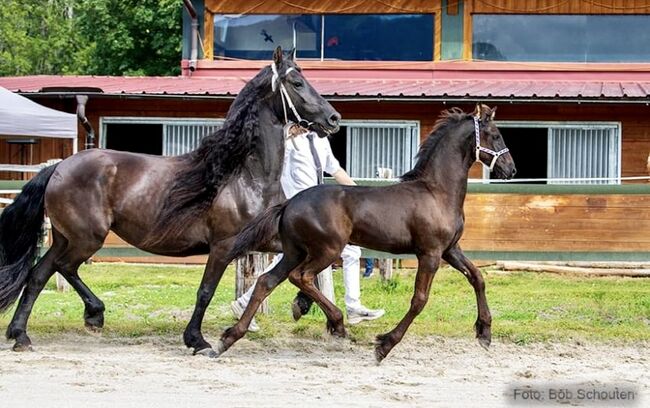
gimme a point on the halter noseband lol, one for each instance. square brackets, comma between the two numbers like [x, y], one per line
[286, 99]
[479, 148]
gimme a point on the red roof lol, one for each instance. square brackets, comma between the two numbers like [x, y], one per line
[437, 81]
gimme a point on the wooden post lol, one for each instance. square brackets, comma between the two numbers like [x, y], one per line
[385, 265]
[386, 268]
[249, 267]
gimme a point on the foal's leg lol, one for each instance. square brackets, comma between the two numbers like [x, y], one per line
[214, 270]
[263, 287]
[305, 281]
[427, 267]
[456, 258]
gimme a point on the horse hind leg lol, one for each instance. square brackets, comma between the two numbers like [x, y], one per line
[78, 251]
[40, 274]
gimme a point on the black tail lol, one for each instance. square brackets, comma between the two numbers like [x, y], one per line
[258, 232]
[20, 228]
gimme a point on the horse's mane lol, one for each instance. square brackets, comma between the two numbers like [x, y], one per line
[220, 156]
[446, 120]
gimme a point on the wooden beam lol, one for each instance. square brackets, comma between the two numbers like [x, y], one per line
[467, 29]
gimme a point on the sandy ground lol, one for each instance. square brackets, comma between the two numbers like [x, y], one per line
[82, 371]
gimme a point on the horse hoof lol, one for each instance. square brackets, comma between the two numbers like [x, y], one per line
[484, 342]
[19, 347]
[379, 355]
[208, 352]
[221, 348]
[93, 330]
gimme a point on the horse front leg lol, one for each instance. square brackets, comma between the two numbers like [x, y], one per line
[214, 270]
[427, 267]
[457, 259]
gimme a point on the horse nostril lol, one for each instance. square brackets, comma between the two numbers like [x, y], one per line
[514, 171]
[334, 119]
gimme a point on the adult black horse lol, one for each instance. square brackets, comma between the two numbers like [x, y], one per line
[177, 206]
[422, 215]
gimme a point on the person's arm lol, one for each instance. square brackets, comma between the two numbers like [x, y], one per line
[342, 177]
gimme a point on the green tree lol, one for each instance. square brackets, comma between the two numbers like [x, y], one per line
[102, 37]
[132, 37]
[38, 37]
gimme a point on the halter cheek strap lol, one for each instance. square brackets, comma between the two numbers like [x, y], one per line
[286, 99]
[479, 148]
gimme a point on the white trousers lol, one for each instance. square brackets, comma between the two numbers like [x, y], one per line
[351, 271]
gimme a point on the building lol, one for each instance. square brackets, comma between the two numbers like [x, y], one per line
[571, 81]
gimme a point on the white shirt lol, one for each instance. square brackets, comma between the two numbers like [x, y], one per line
[299, 170]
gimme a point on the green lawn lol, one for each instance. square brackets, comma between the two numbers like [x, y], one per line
[526, 307]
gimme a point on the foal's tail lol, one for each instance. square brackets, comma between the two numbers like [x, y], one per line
[258, 232]
[20, 229]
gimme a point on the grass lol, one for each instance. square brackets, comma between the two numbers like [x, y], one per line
[526, 307]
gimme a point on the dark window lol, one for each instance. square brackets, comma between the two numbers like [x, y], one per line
[136, 138]
[388, 37]
[382, 37]
[561, 38]
[256, 36]
[529, 149]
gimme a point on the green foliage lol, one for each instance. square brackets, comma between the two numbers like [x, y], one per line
[101, 37]
[526, 307]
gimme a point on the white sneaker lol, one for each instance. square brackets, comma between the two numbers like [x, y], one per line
[238, 311]
[356, 316]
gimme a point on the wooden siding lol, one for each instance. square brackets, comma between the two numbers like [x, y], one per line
[322, 6]
[561, 6]
[564, 223]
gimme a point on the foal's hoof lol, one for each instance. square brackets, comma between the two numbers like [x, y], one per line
[484, 342]
[380, 353]
[93, 330]
[208, 352]
[20, 347]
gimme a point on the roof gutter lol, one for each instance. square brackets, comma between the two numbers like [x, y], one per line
[195, 34]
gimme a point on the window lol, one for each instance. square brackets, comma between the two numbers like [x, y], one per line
[556, 150]
[363, 146]
[561, 38]
[382, 37]
[161, 136]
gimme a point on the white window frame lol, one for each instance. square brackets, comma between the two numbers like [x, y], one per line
[566, 125]
[135, 120]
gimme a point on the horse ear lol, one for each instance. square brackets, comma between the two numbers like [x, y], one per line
[477, 111]
[277, 55]
[494, 112]
[292, 54]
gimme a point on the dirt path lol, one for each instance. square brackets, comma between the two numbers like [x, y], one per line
[81, 371]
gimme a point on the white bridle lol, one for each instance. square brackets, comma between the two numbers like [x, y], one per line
[479, 148]
[286, 99]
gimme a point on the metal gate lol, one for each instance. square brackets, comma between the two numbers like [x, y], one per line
[584, 152]
[181, 138]
[377, 144]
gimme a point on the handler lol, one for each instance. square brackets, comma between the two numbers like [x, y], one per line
[306, 156]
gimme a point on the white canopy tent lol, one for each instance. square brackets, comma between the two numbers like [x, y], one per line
[21, 117]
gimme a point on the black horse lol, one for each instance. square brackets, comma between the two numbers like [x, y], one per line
[422, 215]
[177, 206]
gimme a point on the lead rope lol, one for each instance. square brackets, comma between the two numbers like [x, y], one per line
[479, 148]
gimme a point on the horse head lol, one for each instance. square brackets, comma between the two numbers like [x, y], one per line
[490, 147]
[297, 100]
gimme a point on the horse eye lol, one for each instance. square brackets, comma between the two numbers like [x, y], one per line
[297, 84]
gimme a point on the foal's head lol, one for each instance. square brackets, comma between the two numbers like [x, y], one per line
[296, 99]
[491, 149]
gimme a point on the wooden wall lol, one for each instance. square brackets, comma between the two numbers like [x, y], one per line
[560, 6]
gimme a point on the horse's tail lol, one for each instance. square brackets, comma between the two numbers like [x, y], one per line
[20, 229]
[258, 232]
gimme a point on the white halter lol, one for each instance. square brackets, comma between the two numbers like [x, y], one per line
[286, 99]
[479, 148]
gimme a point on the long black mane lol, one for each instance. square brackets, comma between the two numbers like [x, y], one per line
[446, 120]
[218, 158]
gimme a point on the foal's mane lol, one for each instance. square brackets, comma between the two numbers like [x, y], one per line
[447, 119]
[219, 157]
